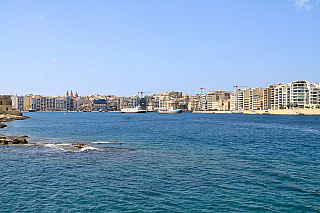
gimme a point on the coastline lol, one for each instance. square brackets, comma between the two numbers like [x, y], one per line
[270, 112]
[11, 140]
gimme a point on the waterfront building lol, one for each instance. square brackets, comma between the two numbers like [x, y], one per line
[232, 105]
[162, 101]
[41, 103]
[195, 102]
[17, 103]
[123, 102]
[99, 104]
[60, 104]
[5, 103]
[20, 103]
[242, 99]
[143, 103]
[267, 98]
[14, 102]
[217, 100]
[299, 95]
[69, 103]
[204, 101]
[33, 104]
[256, 98]
[50, 104]
[27, 102]
[314, 98]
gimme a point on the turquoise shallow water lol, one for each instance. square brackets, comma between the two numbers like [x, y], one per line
[162, 163]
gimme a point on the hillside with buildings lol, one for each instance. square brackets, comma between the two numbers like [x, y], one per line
[296, 94]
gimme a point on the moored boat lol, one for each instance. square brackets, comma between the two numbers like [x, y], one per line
[295, 113]
[170, 111]
[236, 112]
[137, 109]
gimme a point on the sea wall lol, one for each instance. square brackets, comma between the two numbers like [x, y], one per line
[289, 111]
[17, 113]
[272, 112]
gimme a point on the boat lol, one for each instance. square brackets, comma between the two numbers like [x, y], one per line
[236, 112]
[137, 109]
[295, 113]
[170, 111]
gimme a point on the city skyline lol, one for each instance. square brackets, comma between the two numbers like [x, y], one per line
[298, 94]
[118, 47]
[138, 93]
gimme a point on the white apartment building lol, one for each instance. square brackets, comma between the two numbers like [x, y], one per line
[280, 96]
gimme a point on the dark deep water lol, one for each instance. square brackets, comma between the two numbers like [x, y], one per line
[162, 163]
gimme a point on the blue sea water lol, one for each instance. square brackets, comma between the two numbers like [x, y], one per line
[162, 163]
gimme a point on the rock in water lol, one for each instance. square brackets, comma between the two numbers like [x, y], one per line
[12, 140]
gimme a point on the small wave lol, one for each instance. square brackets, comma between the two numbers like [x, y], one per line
[71, 147]
[89, 148]
[107, 142]
[55, 146]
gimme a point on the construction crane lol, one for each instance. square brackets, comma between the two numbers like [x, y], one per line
[201, 88]
[141, 93]
[236, 86]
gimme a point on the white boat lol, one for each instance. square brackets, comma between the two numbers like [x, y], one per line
[295, 113]
[137, 109]
[236, 112]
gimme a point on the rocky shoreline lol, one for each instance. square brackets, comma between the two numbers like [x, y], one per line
[11, 140]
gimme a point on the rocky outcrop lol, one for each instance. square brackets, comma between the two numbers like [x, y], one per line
[9, 117]
[13, 140]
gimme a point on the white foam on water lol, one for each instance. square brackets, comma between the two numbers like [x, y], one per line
[107, 142]
[71, 147]
[89, 148]
[55, 146]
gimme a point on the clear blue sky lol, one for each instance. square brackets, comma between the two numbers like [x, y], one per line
[122, 47]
